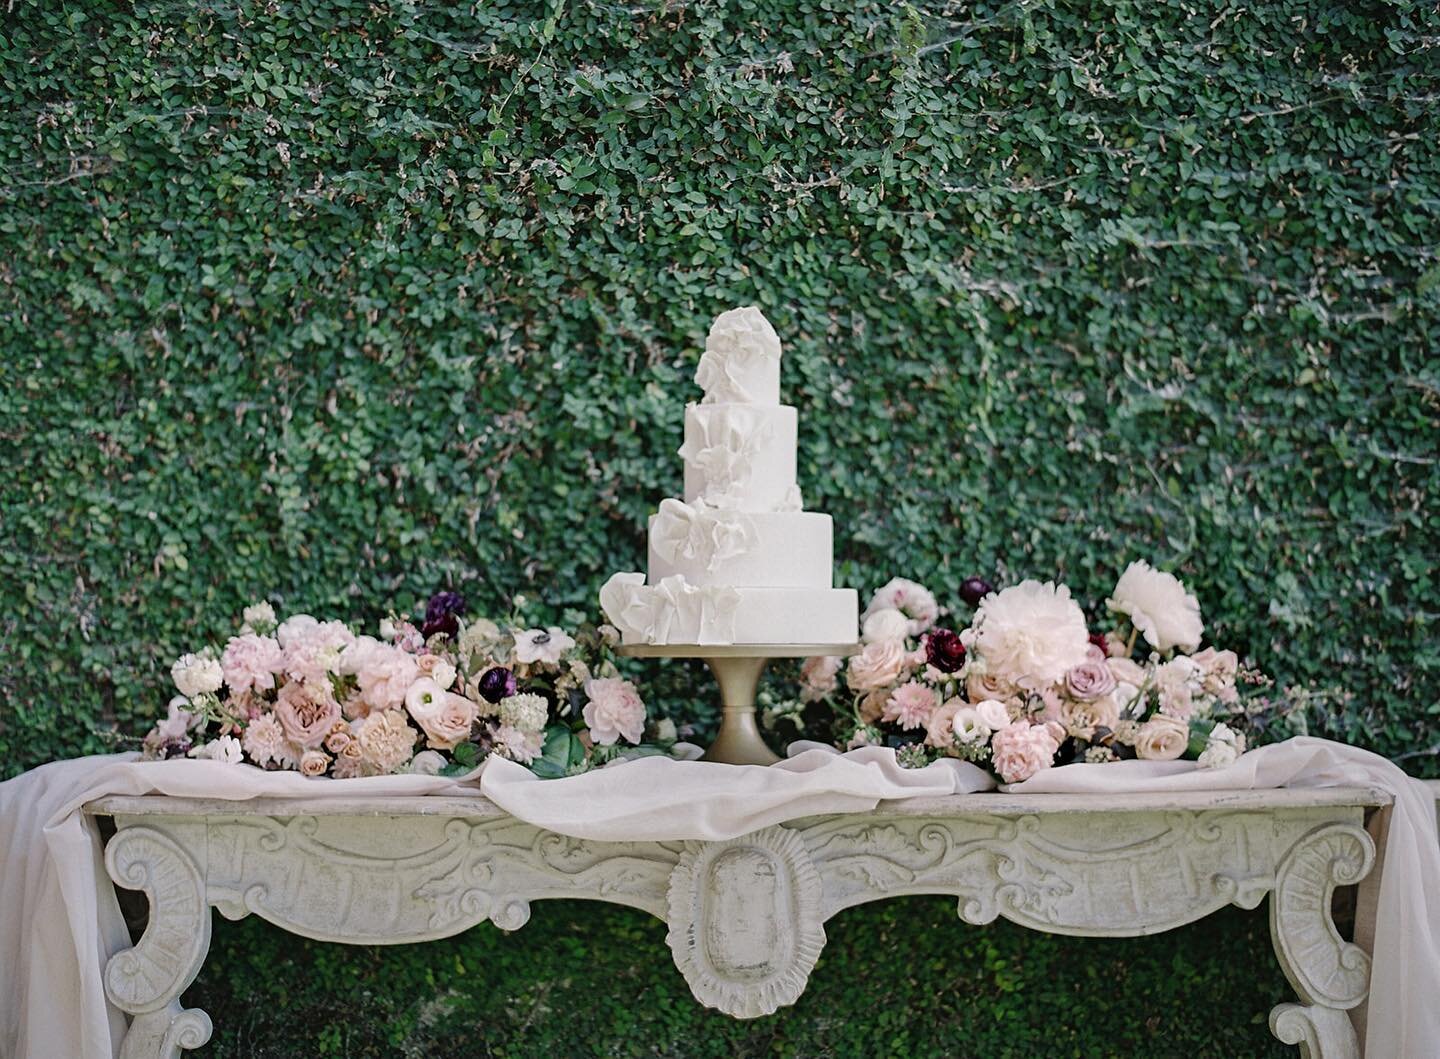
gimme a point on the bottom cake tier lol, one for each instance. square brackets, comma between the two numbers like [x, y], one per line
[676, 612]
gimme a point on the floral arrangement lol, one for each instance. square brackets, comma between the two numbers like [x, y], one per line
[436, 697]
[1029, 684]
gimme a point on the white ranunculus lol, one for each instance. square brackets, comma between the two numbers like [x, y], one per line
[1029, 634]
[197, 675]
[885, 624]
[1158, 606]
[969, 728]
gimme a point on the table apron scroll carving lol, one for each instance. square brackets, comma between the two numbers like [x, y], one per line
[745, 916]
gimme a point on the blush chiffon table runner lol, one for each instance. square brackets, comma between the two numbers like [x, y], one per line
[62, 921]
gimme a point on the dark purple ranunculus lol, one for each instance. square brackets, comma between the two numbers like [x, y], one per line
[497, 684]
[974, 589]
[442, 603]
[944, 651]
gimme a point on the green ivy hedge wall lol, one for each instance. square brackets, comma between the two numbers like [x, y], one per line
[334, 303]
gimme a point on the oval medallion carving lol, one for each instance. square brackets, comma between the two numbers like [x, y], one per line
[745, 921]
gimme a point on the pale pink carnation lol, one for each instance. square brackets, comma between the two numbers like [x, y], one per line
[386, 741]
[313, 649]
[250, 662]
[1022, 749]
[818, 677]
[878, 665]
[615, 710]
[911, 705]
[306, 712]
[265, 743]
[383, 674]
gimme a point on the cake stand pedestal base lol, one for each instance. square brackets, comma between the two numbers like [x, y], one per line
[737, 669]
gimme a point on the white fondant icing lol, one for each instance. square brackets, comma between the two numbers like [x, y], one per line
[741, 362]
[696, 537]
[671, 612]
[784, 549]
[675, 612]
[739, 456]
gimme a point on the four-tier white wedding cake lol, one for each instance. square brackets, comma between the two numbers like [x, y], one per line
[737, 561]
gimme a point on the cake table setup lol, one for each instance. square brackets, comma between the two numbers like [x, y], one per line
[1092, 774]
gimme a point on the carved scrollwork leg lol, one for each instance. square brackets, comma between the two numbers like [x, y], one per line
[746, 922]
[147, 981]
[1329, 974]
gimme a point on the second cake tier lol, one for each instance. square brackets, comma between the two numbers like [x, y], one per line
[709, 546]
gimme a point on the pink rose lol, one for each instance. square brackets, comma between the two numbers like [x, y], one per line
[306, 712]
[314, 763]
[878, 665]
[910, 705]
[940, 728]
[250, 662]
[873, 705]
[982, 686]
[1089, 680]
[818, 677]
[615, 711]
[1162, 738]
[1021, 749]
[443, 716]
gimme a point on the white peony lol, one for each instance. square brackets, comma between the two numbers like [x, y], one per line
[226, 749]
[885, 624]
[1158, 606]
[197, 675]
[1030, 634]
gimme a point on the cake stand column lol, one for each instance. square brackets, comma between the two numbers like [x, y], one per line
[738, 742]
[737, 669]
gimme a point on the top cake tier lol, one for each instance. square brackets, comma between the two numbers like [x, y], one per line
[741, 362]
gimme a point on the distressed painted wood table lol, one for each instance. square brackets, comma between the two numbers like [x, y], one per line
[746, 916]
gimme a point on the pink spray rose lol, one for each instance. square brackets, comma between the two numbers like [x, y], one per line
[818, 677]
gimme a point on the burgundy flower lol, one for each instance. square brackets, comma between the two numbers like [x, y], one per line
[445, 623]
[974, 589]
[497, 684]
[944, 651]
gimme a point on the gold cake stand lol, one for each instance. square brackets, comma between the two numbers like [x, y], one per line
[737, 667]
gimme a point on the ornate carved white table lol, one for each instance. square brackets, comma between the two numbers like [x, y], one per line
[747, 916]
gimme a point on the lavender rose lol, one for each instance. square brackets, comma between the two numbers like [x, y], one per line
[1089, 681]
